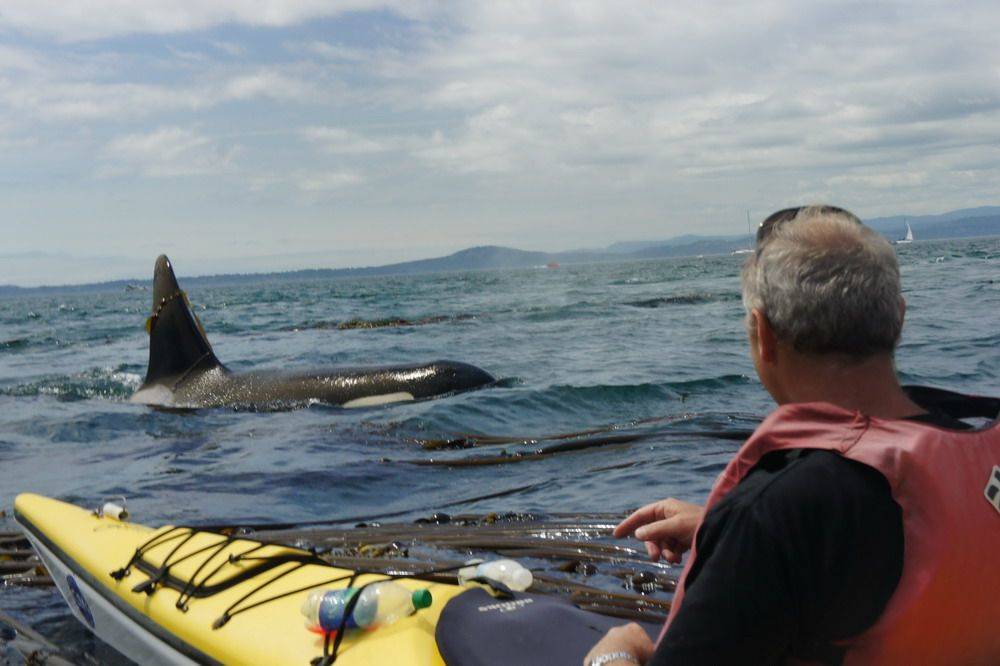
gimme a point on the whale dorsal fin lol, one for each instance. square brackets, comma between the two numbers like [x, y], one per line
[177, 341]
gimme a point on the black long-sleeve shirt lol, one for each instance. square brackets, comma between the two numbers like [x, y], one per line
[805, 550]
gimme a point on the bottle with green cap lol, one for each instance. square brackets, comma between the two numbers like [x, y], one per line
[379, 604]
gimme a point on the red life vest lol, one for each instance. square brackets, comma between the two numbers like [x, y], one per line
[946, 608]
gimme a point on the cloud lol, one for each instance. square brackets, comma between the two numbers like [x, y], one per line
[98, 19]
[690, 92]
[266, 83]
[328, 181]
[339, 141]
[229, 48]
[167, 152]
[335, 52]
[68, 101]
[509, 121]
[14, 60]
[492, 141]
[882, 180]
[66, 90]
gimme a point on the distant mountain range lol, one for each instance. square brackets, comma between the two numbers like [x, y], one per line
[966, 223]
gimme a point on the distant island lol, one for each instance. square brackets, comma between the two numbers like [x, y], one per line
[965, 223]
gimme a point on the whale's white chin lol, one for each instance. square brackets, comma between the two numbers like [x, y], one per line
[153, 395]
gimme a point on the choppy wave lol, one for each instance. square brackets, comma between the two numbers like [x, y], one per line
[632, 392]
[623, 282]
[107, 383]
[631, 395]
[544, 412]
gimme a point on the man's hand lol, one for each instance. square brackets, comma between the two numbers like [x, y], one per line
[629, 638]
[667, 527]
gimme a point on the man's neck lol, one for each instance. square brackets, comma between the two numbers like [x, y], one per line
[869, 386]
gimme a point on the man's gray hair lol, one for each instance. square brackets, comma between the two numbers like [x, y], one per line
[827, 284]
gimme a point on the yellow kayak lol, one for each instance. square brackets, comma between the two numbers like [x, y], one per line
[178, 595]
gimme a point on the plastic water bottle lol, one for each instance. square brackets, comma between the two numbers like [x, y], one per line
[379, 604]
[510, 573]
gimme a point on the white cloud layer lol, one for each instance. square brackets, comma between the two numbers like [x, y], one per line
[165, 153]
[337, 140]
[96, 19]
[483, 121]
[325, 181]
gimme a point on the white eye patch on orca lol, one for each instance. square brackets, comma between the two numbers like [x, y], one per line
[376, 400]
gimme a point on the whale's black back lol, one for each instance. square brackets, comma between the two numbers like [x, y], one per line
[177, 342]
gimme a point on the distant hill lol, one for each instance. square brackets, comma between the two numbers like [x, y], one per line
[633, 247]
[475, 258]
[966, 223]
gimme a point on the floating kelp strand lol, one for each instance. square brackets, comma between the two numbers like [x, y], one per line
[19, 565]
[472, 440]
[26, 580]
[631, 608]
[30, 644]
[461, 526]
[385, 533]
[14, 343]
[23, 566]
[357, 519]
[507, 457]
[646, 579]
[384, 322]
[685, 299]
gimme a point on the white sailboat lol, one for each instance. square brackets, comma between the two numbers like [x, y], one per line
[908, 238]
[749, 247]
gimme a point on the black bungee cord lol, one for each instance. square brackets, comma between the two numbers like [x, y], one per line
[189, 589]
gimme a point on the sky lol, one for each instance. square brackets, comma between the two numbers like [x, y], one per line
[250, 135]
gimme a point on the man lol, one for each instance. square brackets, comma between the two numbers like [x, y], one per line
[861, 521]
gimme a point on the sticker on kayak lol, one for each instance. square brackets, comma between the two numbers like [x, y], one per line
[80, 601]
[992, 491]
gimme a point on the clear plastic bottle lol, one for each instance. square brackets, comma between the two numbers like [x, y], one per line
[380, 603]
[510, 573]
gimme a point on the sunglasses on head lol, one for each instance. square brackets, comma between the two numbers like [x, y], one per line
[775, 219]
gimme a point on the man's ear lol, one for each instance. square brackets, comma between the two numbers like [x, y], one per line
[765, 339]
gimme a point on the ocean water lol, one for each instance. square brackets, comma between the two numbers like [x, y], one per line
[654, 349]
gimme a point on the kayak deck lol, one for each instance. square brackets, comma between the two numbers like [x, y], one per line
[183, 584]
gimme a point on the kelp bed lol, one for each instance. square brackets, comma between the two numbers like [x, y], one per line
[487, 450]
[571, 555]
[19, 565]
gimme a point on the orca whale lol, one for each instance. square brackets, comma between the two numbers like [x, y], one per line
[183, 370]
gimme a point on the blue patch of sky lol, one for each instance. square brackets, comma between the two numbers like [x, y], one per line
[371, 29]
[264, 44]
[366, 30]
